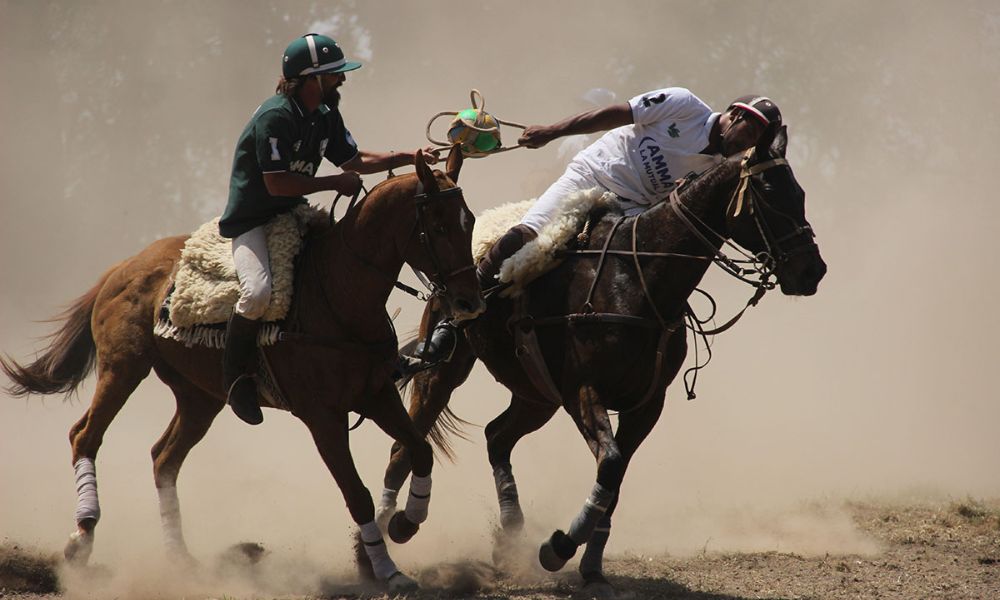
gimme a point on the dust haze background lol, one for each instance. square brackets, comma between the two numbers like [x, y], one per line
[119, 121]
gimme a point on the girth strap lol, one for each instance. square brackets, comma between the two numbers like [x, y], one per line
[529, 353]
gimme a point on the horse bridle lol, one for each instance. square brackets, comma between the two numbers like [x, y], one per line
[747, 192]
[748, 195]
[438, 279]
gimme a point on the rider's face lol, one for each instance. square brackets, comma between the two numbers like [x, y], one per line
[740, 132]
[329, 86]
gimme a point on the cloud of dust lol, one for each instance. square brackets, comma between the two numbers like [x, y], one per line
[120, 123]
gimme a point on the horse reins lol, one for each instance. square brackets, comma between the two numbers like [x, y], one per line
[762, 265]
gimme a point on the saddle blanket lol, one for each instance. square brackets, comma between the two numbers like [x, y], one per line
[539, 255]
[206, 287]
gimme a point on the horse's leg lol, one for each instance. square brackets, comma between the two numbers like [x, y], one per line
[502, 434]
[329, 432]
[196, 410]
[429, 397]
[633, 427]
[117, 377]
[593, 422]
[387, 411]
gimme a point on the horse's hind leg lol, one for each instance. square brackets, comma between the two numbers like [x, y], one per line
[116, 380]
[432, 390]
[196, 410]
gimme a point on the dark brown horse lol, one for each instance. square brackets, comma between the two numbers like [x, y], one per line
[626, 294]
[339, 360]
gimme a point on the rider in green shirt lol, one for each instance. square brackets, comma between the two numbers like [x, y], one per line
[276, 160]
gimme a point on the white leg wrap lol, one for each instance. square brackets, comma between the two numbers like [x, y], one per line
[87, 505]
[419, 499]
[375, 548]
[386, 508]
[170, 519]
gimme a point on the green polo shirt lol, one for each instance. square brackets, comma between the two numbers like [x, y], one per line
[280, 137]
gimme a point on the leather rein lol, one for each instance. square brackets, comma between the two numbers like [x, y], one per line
[522, 325]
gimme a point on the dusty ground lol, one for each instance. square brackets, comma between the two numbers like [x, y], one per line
[931, 550]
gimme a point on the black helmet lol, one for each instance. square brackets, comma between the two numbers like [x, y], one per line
[761, 107]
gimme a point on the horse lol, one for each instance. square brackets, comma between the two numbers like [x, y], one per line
[339, 355]
[624, 293]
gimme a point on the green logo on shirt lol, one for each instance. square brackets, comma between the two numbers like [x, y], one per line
[673, 131]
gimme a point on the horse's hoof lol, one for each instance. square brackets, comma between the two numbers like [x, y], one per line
[401, 529]
[555, 551]
[400, 583]
[78, 548]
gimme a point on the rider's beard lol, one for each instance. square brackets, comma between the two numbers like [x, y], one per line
[332, 97]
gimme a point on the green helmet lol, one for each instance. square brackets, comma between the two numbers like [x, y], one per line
[313, 54]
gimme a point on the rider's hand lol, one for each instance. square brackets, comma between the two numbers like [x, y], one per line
[348, 183]
[535, 136]
[432, 154]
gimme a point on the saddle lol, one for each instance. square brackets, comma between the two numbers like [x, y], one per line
[538, 256]
[205, 286]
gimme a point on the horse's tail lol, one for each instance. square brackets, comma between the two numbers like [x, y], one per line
[448, 424]
[69, 357]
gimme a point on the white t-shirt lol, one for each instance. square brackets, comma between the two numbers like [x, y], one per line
[642, 162]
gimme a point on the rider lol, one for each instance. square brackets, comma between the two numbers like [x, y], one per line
[276, 159]
[654, 140]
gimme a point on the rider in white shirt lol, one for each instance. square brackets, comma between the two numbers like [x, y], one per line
[652, 141]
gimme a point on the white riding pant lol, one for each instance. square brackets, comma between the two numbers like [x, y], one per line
[253, 268]
[575, 179]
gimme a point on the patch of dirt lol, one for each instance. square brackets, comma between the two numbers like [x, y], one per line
[926, 550]
[26, 571]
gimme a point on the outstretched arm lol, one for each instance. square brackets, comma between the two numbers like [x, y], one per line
[601, 119]
[374, 162]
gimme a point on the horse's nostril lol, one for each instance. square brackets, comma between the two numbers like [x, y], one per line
[463, 305]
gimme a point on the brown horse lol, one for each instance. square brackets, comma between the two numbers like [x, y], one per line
[339, 359]
[622, 295]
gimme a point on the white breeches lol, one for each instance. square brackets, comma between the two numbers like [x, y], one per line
[253, 268]
[574, 179]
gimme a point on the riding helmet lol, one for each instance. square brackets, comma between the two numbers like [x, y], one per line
[314, 54]
[761, 107]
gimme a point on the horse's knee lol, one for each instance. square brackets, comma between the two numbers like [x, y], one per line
[254, 301]
[611, 468]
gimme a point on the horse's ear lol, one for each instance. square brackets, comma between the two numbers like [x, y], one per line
[424, 173]
[454, 164]
[780, 143]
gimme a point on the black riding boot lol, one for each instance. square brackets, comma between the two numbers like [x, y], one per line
[440, 343]
[508, 244]
[239, 363]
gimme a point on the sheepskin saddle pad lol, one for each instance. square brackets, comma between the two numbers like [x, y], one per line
[206, 288]
[539, 255]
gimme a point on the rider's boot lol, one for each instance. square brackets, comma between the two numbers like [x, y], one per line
[239, 366]
[508, 244]
[440, 343]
